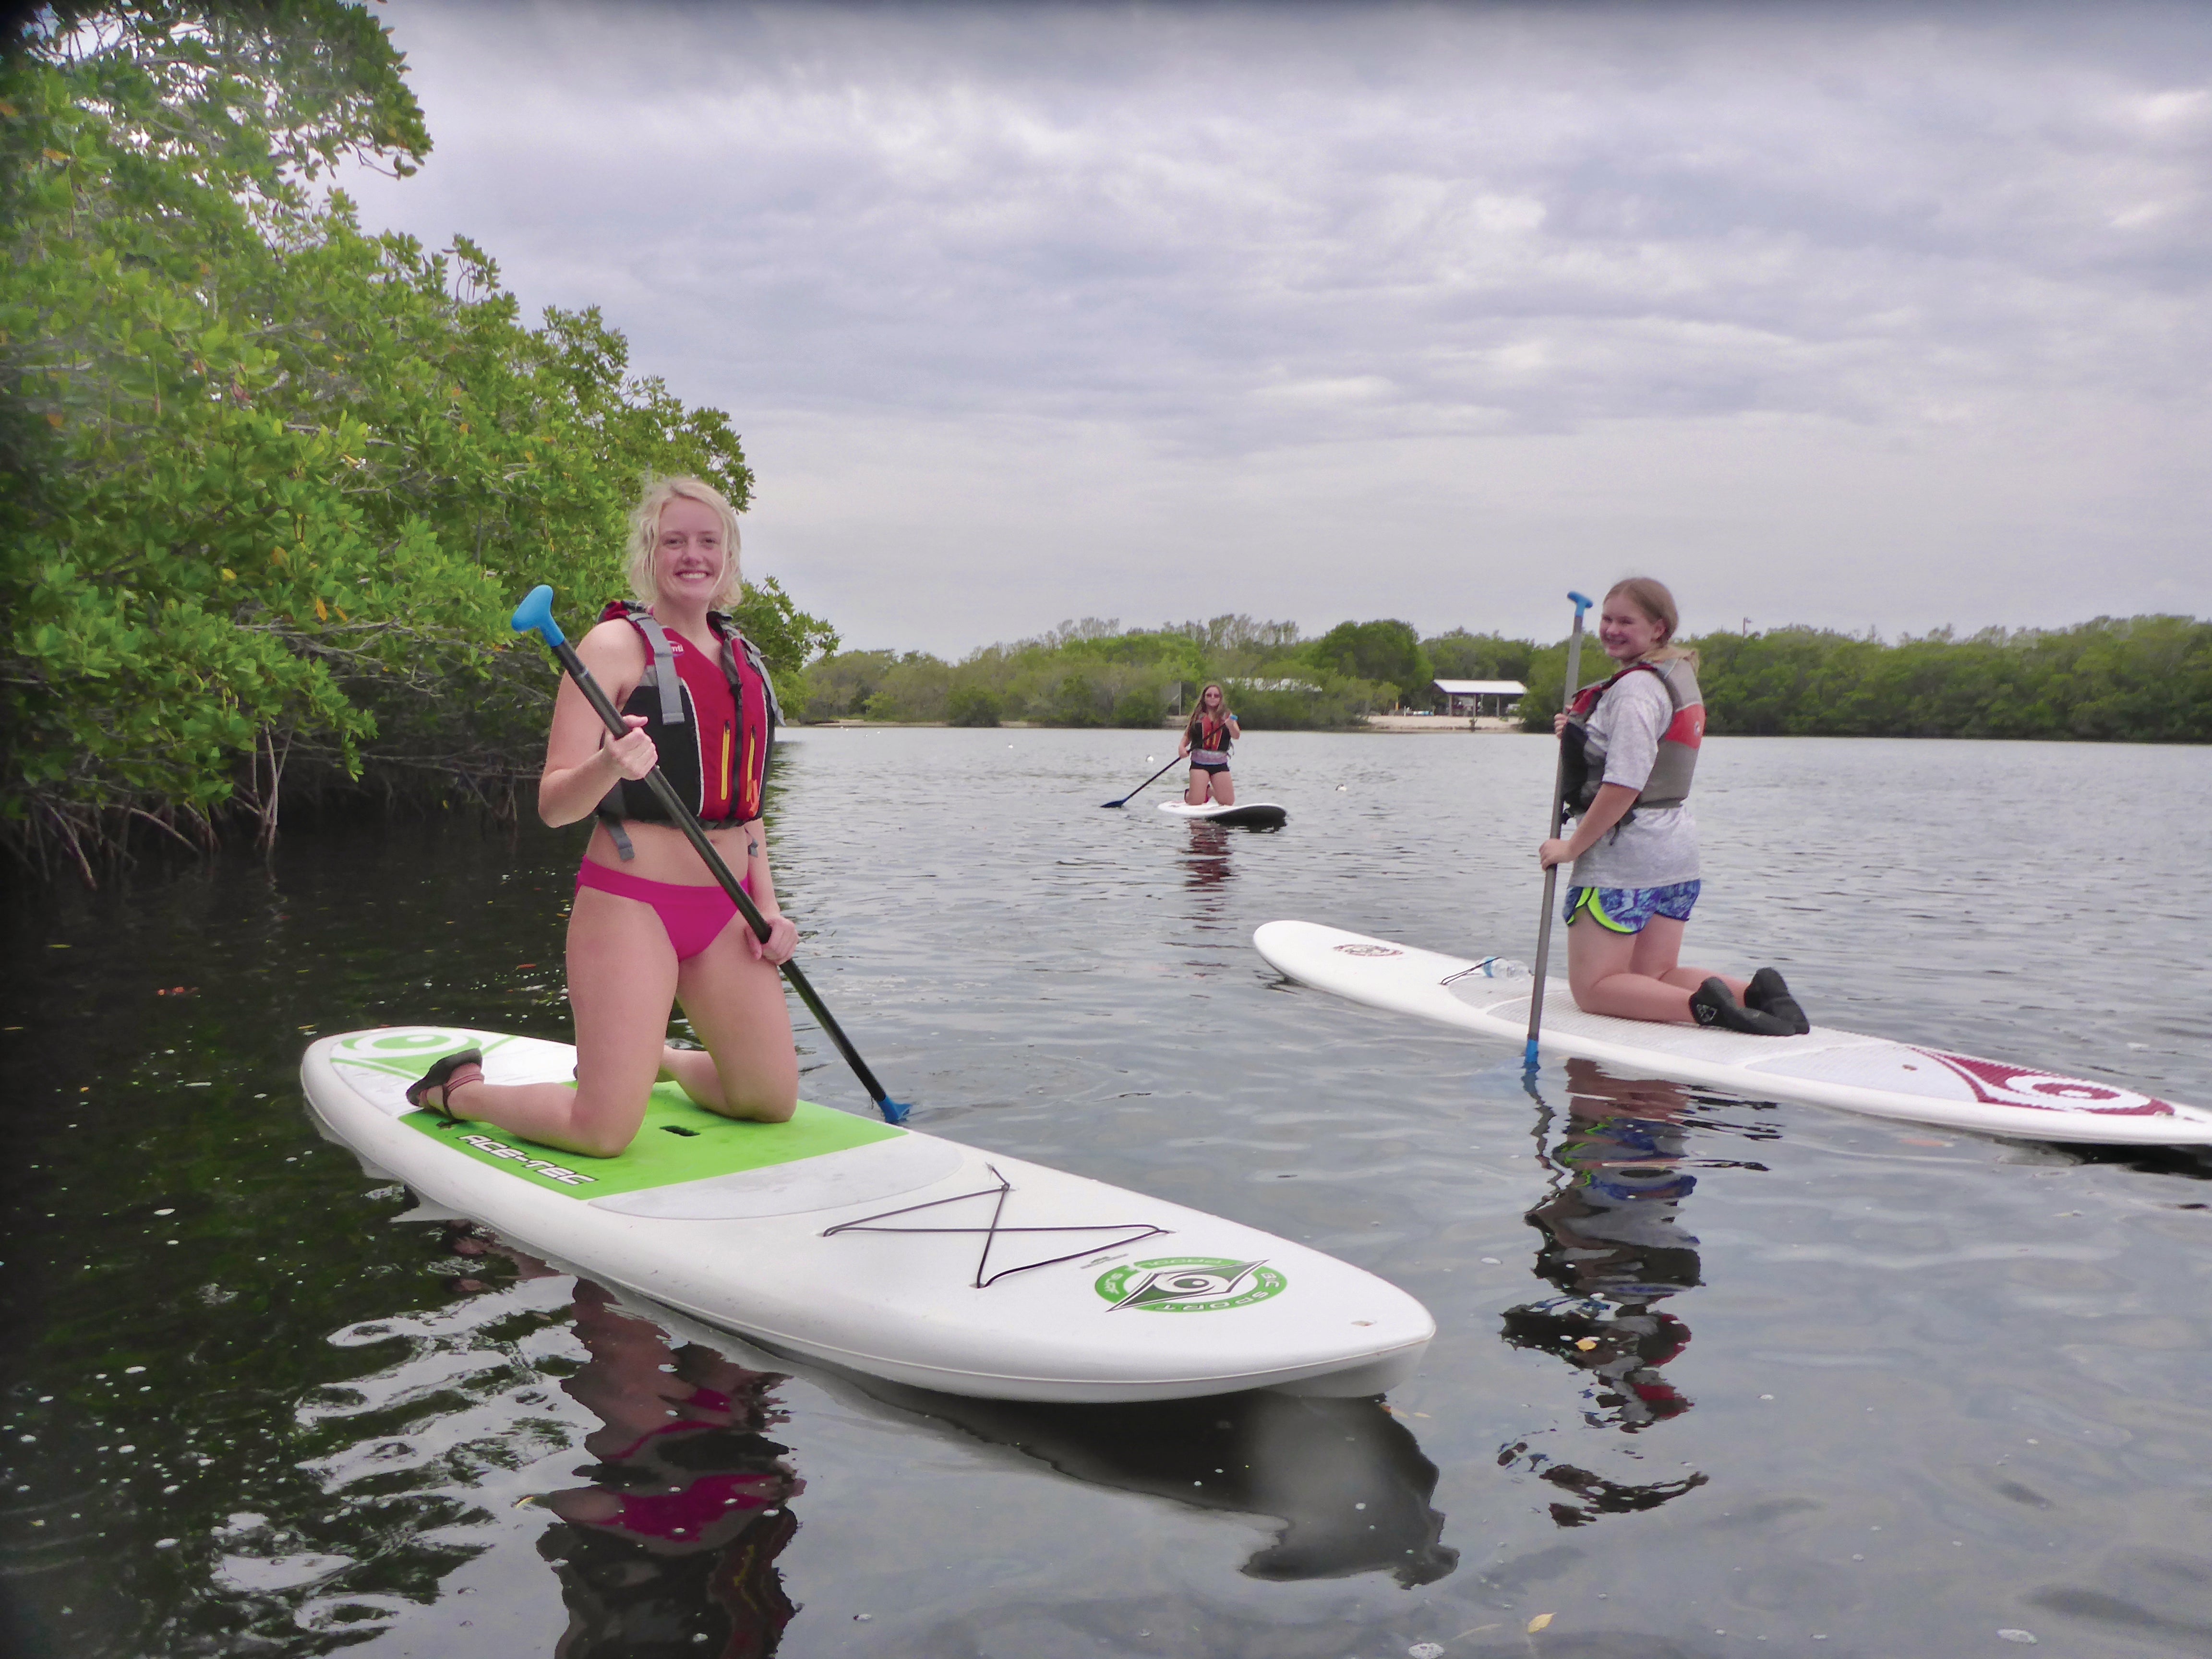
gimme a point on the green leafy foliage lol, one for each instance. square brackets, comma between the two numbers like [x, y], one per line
[788, 640]
[271, 483]
[1387, 653]
[971, 705]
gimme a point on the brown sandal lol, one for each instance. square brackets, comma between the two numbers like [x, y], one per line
[441, 1077]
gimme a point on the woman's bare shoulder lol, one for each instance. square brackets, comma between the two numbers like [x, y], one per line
[613, 640]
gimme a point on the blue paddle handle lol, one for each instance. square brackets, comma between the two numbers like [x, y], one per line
[535, 616]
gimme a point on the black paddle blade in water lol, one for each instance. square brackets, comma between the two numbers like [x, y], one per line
[1132, 795]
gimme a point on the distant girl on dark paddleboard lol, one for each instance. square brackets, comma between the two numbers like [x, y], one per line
[650, 924]
[1631, 745]
[1206, 739]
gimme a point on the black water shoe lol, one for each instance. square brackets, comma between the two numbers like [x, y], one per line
[1713, 1004]
[443, 1077]
[1769, 994]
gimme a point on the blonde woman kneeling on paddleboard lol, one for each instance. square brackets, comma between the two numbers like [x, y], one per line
[1631, 745]
[1205, 738]
[650, 924]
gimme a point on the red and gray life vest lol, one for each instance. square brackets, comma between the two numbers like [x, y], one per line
[1209, 740]
[1583, 753]
[714, 724]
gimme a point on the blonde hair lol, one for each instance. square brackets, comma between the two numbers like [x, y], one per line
[645, 539]
[1652, 599]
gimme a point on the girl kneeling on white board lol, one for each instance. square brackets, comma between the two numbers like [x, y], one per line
[1205, 738]
[1631, 745]
[650, 923]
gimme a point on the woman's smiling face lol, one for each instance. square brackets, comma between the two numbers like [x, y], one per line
[1627, 634]
[688, 557]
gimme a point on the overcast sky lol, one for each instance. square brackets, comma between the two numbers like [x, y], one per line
[1850, 315]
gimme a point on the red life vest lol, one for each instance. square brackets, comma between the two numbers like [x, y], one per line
[713, 723]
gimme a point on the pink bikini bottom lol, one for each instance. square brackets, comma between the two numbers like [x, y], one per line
[694, 916]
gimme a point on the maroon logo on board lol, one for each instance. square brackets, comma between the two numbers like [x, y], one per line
[1996, 1084]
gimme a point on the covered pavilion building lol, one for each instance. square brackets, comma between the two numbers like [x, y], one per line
[1467, 696]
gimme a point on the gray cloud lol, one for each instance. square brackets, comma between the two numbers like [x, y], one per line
[1857, 316]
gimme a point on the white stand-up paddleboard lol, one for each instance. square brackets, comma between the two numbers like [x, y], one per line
[1826, 1068]
[1245, 815]
[888, 1252]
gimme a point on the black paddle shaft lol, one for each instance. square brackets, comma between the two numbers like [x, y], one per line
[1558, 814]
[682, 818]
[1134, 794]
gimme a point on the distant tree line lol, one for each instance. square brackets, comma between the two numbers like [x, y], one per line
[2140, 679]
[1095, 673]
[270, 485]
[2136, 679]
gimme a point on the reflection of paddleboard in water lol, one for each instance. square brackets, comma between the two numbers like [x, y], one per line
[880, 1250]
[1825, 1067]
[1245, 815]
[1345, 1477]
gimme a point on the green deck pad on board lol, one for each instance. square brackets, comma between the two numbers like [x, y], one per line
[660, 1157]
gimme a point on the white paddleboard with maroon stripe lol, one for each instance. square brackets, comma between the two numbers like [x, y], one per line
[881, 1251]
[1826, 1068]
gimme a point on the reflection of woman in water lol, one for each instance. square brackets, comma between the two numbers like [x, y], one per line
[672, 1545]
[1613, 1243]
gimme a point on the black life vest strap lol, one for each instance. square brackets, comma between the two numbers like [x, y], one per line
[669, 685]
[672, 709]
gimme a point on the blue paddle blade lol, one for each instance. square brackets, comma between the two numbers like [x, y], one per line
[535, 616]
[894, 1111]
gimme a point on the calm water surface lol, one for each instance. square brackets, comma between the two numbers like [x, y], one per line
[1713, 1376]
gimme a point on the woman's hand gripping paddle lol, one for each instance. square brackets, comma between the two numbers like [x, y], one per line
[535, 616]
[1134, 794]
[1559, 811]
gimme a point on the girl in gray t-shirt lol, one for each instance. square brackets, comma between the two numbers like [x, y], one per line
[1634, 846]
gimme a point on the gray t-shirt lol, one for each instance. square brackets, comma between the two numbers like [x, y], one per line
[1654, 848]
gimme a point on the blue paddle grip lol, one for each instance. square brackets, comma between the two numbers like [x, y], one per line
[535, 615]
[1581, 604]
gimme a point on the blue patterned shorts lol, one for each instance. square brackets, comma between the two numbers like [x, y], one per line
[1625, 910]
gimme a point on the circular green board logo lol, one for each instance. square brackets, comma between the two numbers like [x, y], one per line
[403, 1044]
[1189, 1284]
